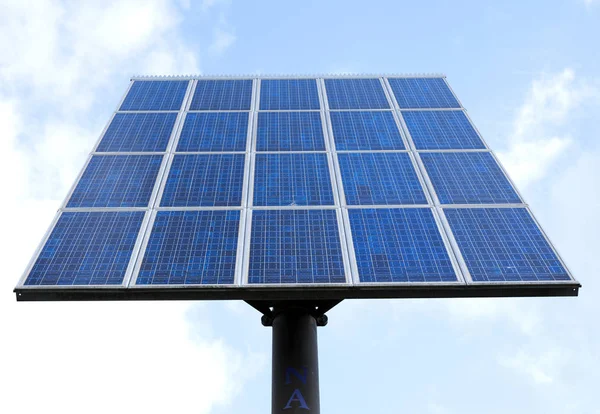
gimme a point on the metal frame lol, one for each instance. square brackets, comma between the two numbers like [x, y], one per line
[273, 293]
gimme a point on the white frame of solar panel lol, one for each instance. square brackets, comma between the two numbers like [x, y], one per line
[242, 259]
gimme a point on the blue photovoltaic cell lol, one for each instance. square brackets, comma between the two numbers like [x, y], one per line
[204, 180]
[365, 131]
[290, 131]
[141, 132]
[503, 244]
[436, 130]
[399, 245]
[380, 178]
[222, 95]
[87, 248]
[355, 94]
[423, 93]
[155, 96]
[191, 248]
[117, 181]
[295, 246]
[214, 131]
[468, 178]
[285, 94]
[292, 179]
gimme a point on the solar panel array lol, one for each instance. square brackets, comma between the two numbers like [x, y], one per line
[281, 182]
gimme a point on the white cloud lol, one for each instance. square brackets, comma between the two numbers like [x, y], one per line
[60, 63]
[538, 138]
[540, 367]
[524, 315]
[222, 40]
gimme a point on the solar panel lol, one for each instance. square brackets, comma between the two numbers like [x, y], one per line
[214, 131]
[380, 178]
[268, 189]
[292, 179]
[286, 94]
[504, 244]
[222, 95]
[399, 245]
[468, 178]
[290, 131]
[87, 248]
[355, 94]
[365, 131]
[441, 130]
[295, 246]
[423, 93]
[117, 181]
[191, 248]
[155, 96]
[204, 180]
[138, 132]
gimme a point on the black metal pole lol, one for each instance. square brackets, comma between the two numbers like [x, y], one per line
[295, 386]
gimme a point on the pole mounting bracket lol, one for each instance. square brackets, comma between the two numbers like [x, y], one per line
[316, 309]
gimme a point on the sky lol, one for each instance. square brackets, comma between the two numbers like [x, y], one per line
[528, 74]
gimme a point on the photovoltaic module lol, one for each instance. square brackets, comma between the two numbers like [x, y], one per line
[278, 188]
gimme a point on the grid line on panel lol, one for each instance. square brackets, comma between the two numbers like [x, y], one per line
[117, 181]
[356, 94]
[138, 132]
[504, 244]
[380, 178]
[222, 95]
[295, 246]
[214, 131]
[87, 248]
[435, 130]
[422, 93]
[288, 94]
[196, 180]
[290, 131]
[468, 178]
[399, 245]
[155, 96]
[365, 131]
[292, 179]
[191, 248]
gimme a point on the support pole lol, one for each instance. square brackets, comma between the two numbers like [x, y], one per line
[295, 378]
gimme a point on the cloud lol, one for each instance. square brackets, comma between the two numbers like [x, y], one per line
[539, 138]
[539, 367]
[222, 40]
[61, 62]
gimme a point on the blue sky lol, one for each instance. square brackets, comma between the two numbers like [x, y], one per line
[529, 76]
